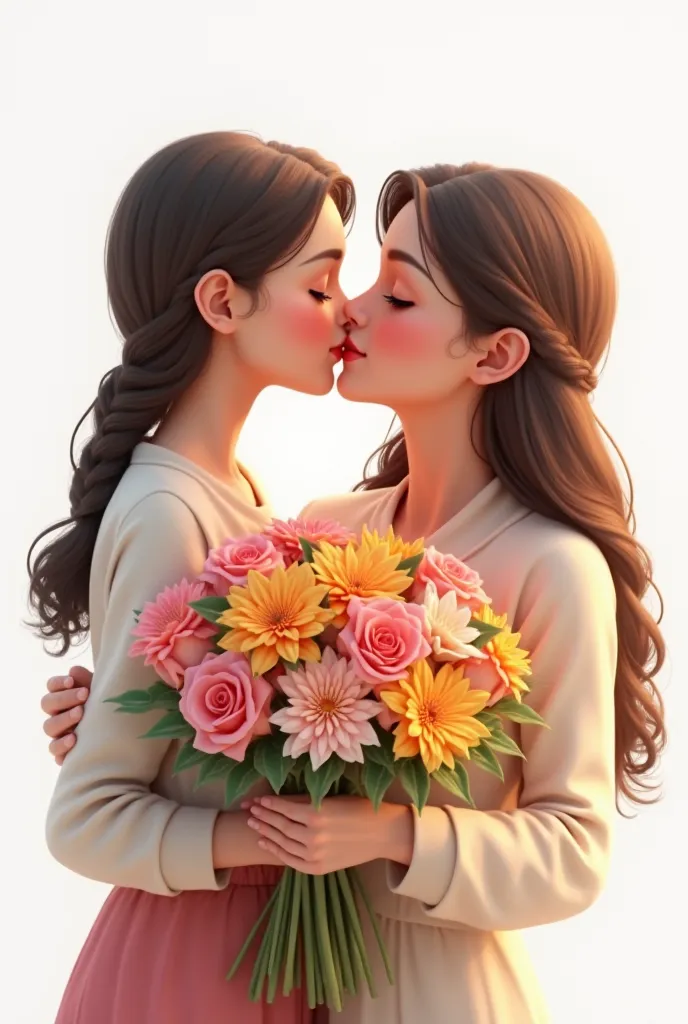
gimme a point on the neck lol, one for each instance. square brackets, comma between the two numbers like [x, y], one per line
[205, 424]
[445, 471]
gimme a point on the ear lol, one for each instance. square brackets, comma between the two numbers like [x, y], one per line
[502, 354]
[214, 294]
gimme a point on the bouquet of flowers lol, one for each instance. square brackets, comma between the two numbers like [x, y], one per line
[328, 663]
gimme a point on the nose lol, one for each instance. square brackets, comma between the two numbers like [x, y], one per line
[354, 312]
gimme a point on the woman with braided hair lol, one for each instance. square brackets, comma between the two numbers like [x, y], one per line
[222, 265]
[493, 308]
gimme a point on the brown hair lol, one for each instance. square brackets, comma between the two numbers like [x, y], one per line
[221, 200]
[521, 251]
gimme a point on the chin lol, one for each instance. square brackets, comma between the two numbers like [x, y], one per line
[348, 389]
[314, 384]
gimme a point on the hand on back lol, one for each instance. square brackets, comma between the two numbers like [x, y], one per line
[64, 706]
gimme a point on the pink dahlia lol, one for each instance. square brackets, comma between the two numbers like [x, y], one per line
[327, 713]
[172, 636]
[285, 535]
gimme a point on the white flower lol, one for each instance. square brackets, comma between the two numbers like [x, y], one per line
[327, 713]
[450, 635]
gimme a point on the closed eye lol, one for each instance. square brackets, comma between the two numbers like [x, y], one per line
[397, 303]
[319, 296]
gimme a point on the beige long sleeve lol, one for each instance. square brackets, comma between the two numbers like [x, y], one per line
[105, 820]
[547, 859]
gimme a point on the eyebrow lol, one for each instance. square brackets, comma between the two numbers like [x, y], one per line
[400, 256]
[326, 254]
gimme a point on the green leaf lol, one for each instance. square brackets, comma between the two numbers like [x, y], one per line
[484, 758]
[384, 754]
[159, 696]
[320, 782]
[293, 666]
[504, 744]
[240, 779]
[462, 778]
[489, 720]
[515, 711]
[377, 779]
[172, 726]
[410, 565]
[210, 608]
[215, 766]
[308, 549]
[455, 781]
[486, 632]
[188, 757]
[415, 780]
[270, 762]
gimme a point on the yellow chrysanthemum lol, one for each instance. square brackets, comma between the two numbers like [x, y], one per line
[509, 661]
[275, 617]
[437, 715]
[358, 571]
[403, 549]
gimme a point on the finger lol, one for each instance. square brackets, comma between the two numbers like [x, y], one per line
[289, 846]
[60, 725]
[293, 829]
[56, 683]
[297, 810]
[56, 703]
[305, 867]
[60, 748]
[81, 676]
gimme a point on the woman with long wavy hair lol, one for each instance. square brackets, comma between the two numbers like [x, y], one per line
[493, 309]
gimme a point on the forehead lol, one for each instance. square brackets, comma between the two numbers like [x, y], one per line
[328, 232]
[403, 233]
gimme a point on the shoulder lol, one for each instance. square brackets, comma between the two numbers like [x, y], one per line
[152, 498]
[563, 566]
[352, 509]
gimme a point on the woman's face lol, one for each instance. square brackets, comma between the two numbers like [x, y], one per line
[406, 342]
[294, 337]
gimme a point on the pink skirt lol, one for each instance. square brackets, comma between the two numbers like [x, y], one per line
[163, 960]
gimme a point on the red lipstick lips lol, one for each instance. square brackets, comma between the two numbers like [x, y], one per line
[350, 352]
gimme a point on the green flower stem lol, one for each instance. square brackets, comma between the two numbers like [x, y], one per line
[308, 945]
[331, 985]
[251, 936]
[276, 964]
[360, 889]
[356, 931]
[317, 962]
[278, 913]
[337, 917]
[260, 967]
[292, 940]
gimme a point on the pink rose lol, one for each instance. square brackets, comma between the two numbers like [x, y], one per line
[229, 564]
[487, 674]
[449, 573]
[383, 637]
[173, 636]
[225, 704]
[285, 535]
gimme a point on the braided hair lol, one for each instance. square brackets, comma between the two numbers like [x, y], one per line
[221, 200]
[521, 251]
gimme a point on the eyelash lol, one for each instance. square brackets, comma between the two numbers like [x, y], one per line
[319, 296]
[397, 303]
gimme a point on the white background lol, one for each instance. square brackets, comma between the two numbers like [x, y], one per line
[598, 101]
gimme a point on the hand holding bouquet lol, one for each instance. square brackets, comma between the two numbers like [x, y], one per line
[329, 664]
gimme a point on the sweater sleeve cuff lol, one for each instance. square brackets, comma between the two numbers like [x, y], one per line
[430, 872]
[186, 851]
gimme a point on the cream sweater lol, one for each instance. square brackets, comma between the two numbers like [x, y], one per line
[118, 815]
[536, 849]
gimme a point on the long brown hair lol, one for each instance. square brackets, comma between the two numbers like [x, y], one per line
[222, 200]
[522, 251]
